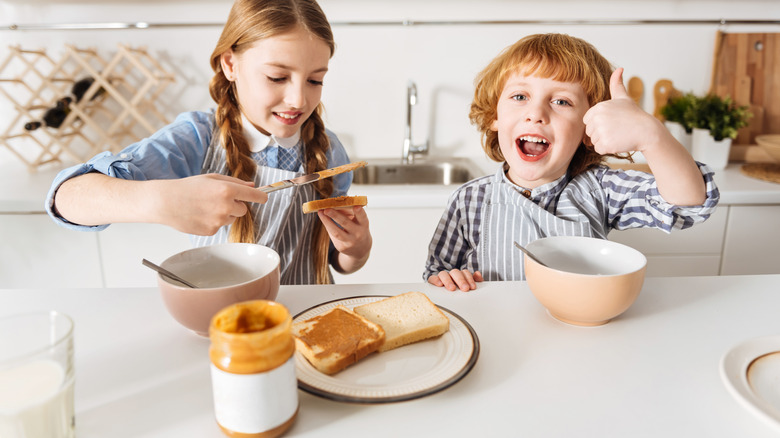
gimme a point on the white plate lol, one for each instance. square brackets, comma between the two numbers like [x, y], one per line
[404, 373]
[751, 371]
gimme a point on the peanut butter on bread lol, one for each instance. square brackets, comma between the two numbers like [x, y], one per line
[327, 173]
[337, 202]
[336, 339]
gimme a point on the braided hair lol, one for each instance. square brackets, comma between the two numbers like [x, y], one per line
[248, 22]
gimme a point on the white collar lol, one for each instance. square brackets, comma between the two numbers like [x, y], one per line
[259, 141]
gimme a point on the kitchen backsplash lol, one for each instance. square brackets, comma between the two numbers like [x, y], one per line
[440, 47]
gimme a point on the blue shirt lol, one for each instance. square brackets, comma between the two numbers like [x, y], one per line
[178, 151]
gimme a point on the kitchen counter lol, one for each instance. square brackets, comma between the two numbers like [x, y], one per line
[735, 189]
[654, 371]
[402, 218]
[25, 192]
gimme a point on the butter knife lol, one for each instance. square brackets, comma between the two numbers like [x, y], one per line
[310, 178]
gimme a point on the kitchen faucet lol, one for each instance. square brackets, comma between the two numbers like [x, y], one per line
[410, 149]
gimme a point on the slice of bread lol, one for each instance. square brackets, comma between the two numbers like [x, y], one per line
[406, 318]
[337, 202]
[336, 339]
[327, 173]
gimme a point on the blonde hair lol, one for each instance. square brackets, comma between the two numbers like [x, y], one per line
[556, 56]
[248, 22]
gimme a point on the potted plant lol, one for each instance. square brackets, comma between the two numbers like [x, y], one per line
[715, 122]
[678, 114]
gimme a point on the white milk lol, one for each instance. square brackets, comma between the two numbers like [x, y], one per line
[36, 401]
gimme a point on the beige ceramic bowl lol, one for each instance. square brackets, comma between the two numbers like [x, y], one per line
[771, 144]
[225, 274]
[587, 281]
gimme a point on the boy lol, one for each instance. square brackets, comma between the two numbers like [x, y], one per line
[551, 109]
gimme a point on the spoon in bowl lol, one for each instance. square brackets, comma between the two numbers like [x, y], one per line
[529, 254]
[167, 273]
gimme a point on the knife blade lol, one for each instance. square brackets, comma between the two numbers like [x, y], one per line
[310, 178]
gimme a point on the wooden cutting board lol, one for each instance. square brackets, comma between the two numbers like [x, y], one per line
[746, 67]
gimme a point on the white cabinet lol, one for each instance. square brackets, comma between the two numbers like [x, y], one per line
[37, 253]
[693, 251]
[123, 246]
[734, 240]
[752, 240]
[400, 245]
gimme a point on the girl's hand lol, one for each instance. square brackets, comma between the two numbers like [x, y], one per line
[196, 205]
[619, 124]
[202, 204]
[348, 230]
[456, 279]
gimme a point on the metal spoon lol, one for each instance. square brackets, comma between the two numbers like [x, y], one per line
[529, 254]
[168, 273]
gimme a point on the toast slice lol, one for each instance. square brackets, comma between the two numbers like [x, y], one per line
[406, 318]
[337, 202]
[336, 339]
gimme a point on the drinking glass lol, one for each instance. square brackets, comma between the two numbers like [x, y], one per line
[36, 376]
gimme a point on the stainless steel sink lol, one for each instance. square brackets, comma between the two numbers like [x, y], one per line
[432, 171]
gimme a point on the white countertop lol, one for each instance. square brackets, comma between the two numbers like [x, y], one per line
[735, 189]
[652, 372]
[25, 192]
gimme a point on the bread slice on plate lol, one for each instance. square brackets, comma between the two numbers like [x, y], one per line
[406, 318]
[337, 202]
[336, 339]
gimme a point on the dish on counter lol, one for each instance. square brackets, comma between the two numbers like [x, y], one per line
[751, 371]
[406, 373]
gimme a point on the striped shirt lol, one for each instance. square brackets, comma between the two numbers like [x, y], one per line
[486, 215]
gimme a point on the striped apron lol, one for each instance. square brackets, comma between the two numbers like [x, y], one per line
[510, 217]
[281, 224]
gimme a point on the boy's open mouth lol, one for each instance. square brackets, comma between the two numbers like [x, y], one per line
[532, 148]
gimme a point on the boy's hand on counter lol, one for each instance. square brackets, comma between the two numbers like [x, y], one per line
[456, 279]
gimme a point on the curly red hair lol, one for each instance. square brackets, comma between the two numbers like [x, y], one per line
[556, 56]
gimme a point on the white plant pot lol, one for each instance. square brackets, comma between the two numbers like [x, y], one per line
[706, 150]
[678, 132]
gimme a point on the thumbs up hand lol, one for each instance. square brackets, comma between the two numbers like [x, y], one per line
[618, 124]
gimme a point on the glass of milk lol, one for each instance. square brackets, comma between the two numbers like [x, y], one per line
[36, 376]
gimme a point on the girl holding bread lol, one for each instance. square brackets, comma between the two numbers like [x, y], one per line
[551, 109]
[199, 174]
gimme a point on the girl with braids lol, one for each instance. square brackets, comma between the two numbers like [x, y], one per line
[199, 174]
[550, 109]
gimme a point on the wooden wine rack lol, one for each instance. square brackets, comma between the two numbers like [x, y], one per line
[119, 107]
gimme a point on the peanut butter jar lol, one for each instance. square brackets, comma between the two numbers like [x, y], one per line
[253, 369]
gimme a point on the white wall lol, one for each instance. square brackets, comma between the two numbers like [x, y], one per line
[365, 88]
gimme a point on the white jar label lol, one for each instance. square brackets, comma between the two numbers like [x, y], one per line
[254, 403]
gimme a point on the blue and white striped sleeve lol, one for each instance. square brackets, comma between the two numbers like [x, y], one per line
[457, 233]
[633, 201]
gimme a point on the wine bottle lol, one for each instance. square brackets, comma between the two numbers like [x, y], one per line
[53, 118]
[64, 102]
[32, 126]
[82, 85]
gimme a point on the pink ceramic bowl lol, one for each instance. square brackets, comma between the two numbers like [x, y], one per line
[225, 274]
[587, 281]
